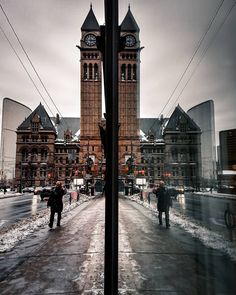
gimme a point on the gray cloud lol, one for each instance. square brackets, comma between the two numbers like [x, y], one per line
[169, 30]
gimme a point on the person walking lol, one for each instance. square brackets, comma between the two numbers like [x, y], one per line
[55, 203]
[164, 203]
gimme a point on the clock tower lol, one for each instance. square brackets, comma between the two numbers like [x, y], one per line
[129, 91]
[91, 92]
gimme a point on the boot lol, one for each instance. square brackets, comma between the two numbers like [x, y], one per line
[167, 223]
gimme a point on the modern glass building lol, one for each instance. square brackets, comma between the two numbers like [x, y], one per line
[203, 115]
[13, 113]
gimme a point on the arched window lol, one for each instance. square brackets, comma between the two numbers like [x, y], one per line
[24, 155]
[85, 72]
[34, 155]
[123, 72]
[134, 72]
[174, 153]
[95, 72]
[44, 155]
[129, 72]
[90, 71]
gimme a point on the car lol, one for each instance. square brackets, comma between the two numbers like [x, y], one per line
[46, 192]
[179, 189]
[189, 189]
[28, 190]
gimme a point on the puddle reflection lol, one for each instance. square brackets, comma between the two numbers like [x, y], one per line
[181, 200]
[34, 205]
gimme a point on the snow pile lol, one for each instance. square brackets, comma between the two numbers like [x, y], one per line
[11, 235]
[207, 237]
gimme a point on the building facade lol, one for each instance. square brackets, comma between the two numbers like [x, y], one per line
[227, 163]
[45, 152]
[182, 138]
[129, 91]
[91, 92]
[35, 148]
[48, 149]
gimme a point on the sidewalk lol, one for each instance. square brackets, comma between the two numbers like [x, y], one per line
[152, 260]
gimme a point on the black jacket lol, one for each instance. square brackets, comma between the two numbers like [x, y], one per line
[163, 199]
[55, 199]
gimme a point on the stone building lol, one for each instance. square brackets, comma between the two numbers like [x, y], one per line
[35, 147]
[182, 138]
[91, 91]
[49, 149]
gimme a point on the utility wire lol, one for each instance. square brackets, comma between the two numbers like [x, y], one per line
[192, 58]
[31, 63]
[25, 68]
[203, 55]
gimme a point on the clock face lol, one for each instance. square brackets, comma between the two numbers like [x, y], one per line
[90, 40]
[130, 40]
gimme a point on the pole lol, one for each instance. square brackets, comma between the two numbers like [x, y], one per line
[111, 190]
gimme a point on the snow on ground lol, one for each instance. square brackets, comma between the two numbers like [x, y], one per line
[206, 236]
[11, 235]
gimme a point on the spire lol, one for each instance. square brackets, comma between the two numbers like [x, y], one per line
[90, 23]
[129, 23]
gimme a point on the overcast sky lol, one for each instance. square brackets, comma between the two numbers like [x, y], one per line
[170, 31]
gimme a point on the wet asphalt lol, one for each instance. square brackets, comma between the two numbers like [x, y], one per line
[152, 259]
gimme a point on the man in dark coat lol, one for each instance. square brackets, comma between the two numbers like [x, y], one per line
[56, 204]
[164, 203]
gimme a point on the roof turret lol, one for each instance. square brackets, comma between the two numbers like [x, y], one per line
[129, 23]
[90, 23]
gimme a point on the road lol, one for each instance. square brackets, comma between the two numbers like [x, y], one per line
[209, 211]
[14, 209]
[205, 210]
[152, 259]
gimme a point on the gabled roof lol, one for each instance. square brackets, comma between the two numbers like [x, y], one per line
[72, 124]
[151, 126]
[45, 120]
[90, 23]
[129, 23]
[179, 117]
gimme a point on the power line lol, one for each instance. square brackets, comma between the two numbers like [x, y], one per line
[31, 63]
[203, 55]
[20, 60]
[192, 58]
